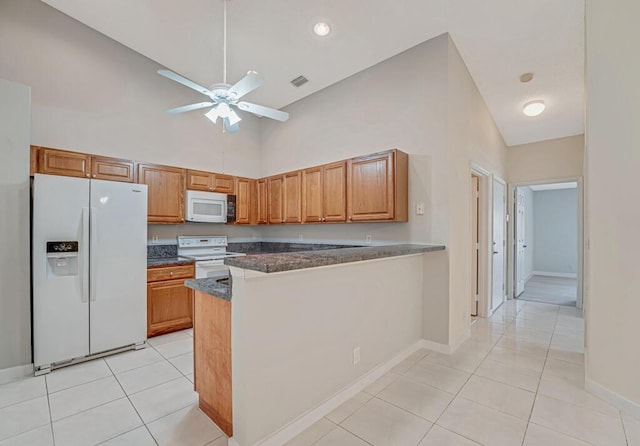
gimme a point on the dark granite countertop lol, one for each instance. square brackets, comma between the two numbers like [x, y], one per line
[272, 263]
[165, 261]
[211, 287]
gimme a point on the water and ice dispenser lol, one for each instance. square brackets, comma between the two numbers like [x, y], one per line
[62, 259]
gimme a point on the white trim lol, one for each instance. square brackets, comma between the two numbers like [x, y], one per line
[309, 418]
[447, 349]
[550, 274]
[14, 373]
[485, 212]
[232, 442]
[613, 398]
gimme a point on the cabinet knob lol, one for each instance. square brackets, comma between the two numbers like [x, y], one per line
[88, 175]
[282, 221]
[94, 175]
[171, 273]
[349, 217]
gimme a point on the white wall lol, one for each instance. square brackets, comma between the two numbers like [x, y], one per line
[612, 197]
[94, 95]
[15, 307]
[546, 160]
[332, 310]
[555, 229]
[529, 239]
[425, 103]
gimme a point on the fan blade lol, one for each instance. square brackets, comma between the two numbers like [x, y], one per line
[186, 108]
[184, 81]
[246, 85]
[261, 110]
[230, 128]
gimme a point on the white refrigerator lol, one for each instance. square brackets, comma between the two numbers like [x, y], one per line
[89, 257]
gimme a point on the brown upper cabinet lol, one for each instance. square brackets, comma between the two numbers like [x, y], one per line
[112, 169]
[262, 213]
[211, 182]
[292, 200]
[324, 193]
[166, 192]
[377, 187]
[61, 162]
[275, 200]
[245, 199]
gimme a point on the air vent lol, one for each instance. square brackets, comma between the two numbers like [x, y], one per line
[299, 81]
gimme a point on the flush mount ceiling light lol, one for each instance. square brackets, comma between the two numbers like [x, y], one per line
[534, 108]
[321, 29]
[526, 77]
[224, 98]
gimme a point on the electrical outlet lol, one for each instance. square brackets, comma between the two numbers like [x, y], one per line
[356, 355]
[154, 239]
[300, 237]
[367, 238]
[420, 208]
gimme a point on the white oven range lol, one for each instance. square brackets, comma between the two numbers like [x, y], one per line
[209, 253]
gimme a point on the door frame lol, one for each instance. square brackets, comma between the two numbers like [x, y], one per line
[506, 248]
[511, 245]
[485, 226]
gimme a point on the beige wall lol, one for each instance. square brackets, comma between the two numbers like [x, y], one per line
[95, 95]
[546, 160]
[612, 197]
[15, 308]
[330, 310]
[424, 102]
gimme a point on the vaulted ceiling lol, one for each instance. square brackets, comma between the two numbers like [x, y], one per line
[498, 39]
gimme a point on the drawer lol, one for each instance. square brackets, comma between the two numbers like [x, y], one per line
[170, 272]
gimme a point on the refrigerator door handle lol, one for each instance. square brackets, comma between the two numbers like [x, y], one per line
[93, 257]
[84, 294]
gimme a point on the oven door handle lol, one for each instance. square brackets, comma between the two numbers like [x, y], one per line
[207, 263]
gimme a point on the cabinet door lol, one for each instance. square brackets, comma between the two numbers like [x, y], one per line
[197, 180]
[275, 195]
[292, 187]
[243, 200]
[312, 209]
[112, 169]
[60, 162]
[334, 191]
[169, 307]
[223, 183]
[370, 187]
[262, 202]
[166, 192]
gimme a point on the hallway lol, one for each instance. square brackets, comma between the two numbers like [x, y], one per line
[550, 290]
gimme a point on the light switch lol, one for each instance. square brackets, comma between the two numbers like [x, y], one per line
[420, 208]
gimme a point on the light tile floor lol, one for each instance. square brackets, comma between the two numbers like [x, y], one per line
[551, 290]
[518, 381]
[135, 398]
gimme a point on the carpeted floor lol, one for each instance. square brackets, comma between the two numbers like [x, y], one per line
[550, 290]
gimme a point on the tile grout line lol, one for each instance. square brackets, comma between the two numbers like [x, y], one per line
[134, 408]
[46, 388]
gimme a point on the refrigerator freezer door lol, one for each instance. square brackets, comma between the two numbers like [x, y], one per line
[118, 281]
[60, 307]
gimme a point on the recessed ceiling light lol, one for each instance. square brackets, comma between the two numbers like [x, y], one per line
[321, 29]
[534, 108]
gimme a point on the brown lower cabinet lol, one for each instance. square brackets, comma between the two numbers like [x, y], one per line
[169, 302]
[212, 359]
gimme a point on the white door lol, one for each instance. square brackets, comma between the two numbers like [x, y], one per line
[475, 246]
[118, 284]
[60, 281]
[499, 216]
[520, 241]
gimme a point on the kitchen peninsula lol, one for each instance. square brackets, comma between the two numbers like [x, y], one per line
[295, 333]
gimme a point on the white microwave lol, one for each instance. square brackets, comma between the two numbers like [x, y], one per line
[206, 207]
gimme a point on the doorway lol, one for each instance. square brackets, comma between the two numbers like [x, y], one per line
[547, 243]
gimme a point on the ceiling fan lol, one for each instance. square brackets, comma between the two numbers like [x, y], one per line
[224, 98]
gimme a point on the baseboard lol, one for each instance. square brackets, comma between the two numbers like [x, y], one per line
[550, 274]
[613, 398]
[447, 349]
[306, 420]
[17, 372]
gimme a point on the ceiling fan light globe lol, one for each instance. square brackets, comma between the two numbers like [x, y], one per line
[213, 115]
[234, 118]
[223, 110]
